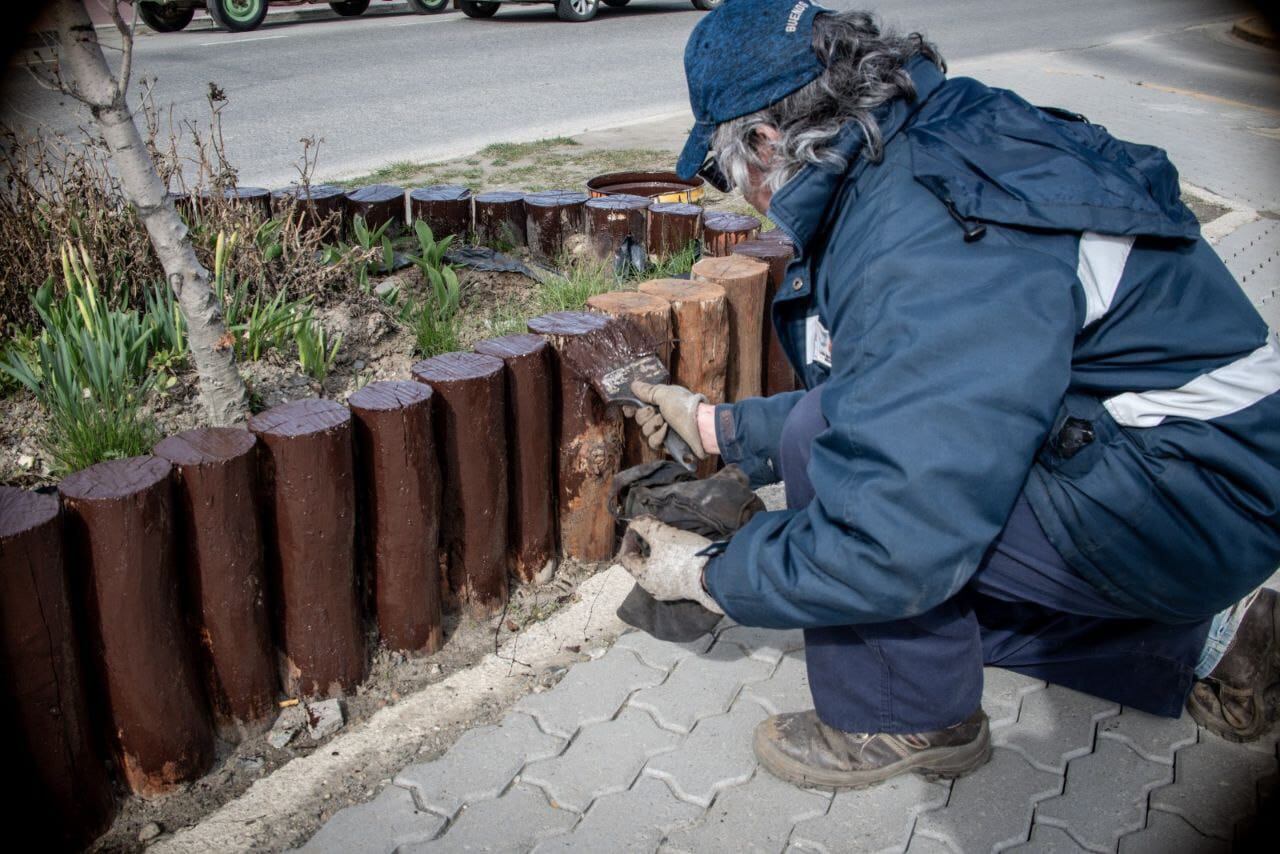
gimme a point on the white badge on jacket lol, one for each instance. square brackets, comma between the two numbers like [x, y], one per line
[817, 342]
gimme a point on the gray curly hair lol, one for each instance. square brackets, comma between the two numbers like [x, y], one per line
[865, 68]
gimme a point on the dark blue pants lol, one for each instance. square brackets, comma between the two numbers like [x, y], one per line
[1024, 610]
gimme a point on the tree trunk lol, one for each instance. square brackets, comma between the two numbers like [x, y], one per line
[88, 78]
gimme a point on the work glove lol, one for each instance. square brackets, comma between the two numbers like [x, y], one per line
[676, 408]
[665, 561]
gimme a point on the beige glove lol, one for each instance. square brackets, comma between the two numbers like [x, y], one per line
[677, 408]
[665, 561]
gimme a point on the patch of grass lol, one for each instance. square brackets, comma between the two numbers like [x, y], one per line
[582, 280]
[675, 266]
[392, 173]
[515, 150]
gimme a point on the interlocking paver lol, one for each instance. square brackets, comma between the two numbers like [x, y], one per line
[756, 816]
[1002, 693]
[512, 823]
[715, 756]
[1055, 726]
[659, 653]
[701, 686]
[1153, 737]
[787, 690]
[765, 644]
[1046, 839]
[383, 824]
[1215, 785]
[875, 819]
[604, 758]
[1105, 795]
[479, 765]
[921, 844]
[634, 820]
[991, 807]
[591, 692]
[1165, 833]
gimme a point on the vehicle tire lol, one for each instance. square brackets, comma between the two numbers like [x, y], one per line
[478, 9]
[577, 10]
[707, 5]
[165, 17]
[429, 7]
[350, 8]
[616, 4]
[238, 16]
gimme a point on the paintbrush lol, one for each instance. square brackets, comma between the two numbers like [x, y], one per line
[612, 357]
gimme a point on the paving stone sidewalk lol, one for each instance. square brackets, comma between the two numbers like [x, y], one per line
[648, 748]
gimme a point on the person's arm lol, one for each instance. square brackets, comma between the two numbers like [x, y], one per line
[949, 361]
[748, 432]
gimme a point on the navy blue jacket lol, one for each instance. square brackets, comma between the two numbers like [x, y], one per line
[953, 367]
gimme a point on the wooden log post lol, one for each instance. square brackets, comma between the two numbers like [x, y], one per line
[589, 440]
[722, 230]
[531, 528]
[551, 218]
[672, 227]
[500, 219]
[217, 520]
[652, 314]
[445, 208]
[307, 486]
[612, 219]
[776, 373]
[470, 429]
[377, 203]
[700, 320]
[399, 487]
[775, 235]
[316, 206]
[745, 281]
[60, 781]
[256, 200]
[120, 533]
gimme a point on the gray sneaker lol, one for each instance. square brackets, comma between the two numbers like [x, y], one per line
[801, 749]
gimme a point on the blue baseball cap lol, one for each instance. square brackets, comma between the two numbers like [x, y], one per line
[741, 58]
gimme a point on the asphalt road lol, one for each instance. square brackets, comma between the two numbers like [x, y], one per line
[409, 87]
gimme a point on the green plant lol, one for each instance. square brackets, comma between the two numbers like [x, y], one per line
[583, 279]
[676, 265]
[435, 321]
[316, 352]
[257, 323]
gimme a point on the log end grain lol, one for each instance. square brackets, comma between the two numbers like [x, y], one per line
[559, 323]
[389, 395]
[375, 194]
[299, 418]
[555, 199]
[681, 290]
[497, 197]
[22, 511]
[206, 445]
[619, 303]
[512, 346]
[440, 193]
[114, 479]
[448, 368]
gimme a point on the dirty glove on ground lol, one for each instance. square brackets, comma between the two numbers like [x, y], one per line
[677, 408]
[665, 561]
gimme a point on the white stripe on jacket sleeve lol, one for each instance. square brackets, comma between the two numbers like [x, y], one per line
[1099, 267]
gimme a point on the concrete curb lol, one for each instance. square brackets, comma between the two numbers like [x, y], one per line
[1256, 30]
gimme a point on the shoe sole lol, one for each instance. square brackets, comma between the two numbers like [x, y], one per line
[933, 764]
[1266, 699]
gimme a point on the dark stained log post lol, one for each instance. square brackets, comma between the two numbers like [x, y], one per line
[399, 483]
[470, 429]
[60, 782]
[551, 217]
[445, 208]
[316, 205]
[589, 440]
[120, 533]
[775, 235]
[254, 199]
[652, 314]
[307, 487]
[700, 319]
[721, 230]
[531, 531]
[745, 281]
[377, 203]
[777, 373]
[500, 219]
[611, 219]
[672, 227]
[217, 520]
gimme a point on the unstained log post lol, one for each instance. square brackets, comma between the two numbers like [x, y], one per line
[60, 782]
[307, 484]
[399, 487]
[445, 208]
[651, 314]
[672, 227]
[120, 533]
[500, 219]
[552, 217]
[589, 441]
[745, 281]
[722, 230]
[777, 374]
[470, 429]
[377, 203]
[531, 529]
[215, 482]
[612, 219]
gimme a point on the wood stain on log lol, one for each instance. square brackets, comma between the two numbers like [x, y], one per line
[551, 218]
[774, 249]
[445, 208]
[316, 205]
[500, 219]
[745, 282]
[377, 203]
[722, 230]
[672, 227]
[610, 220]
